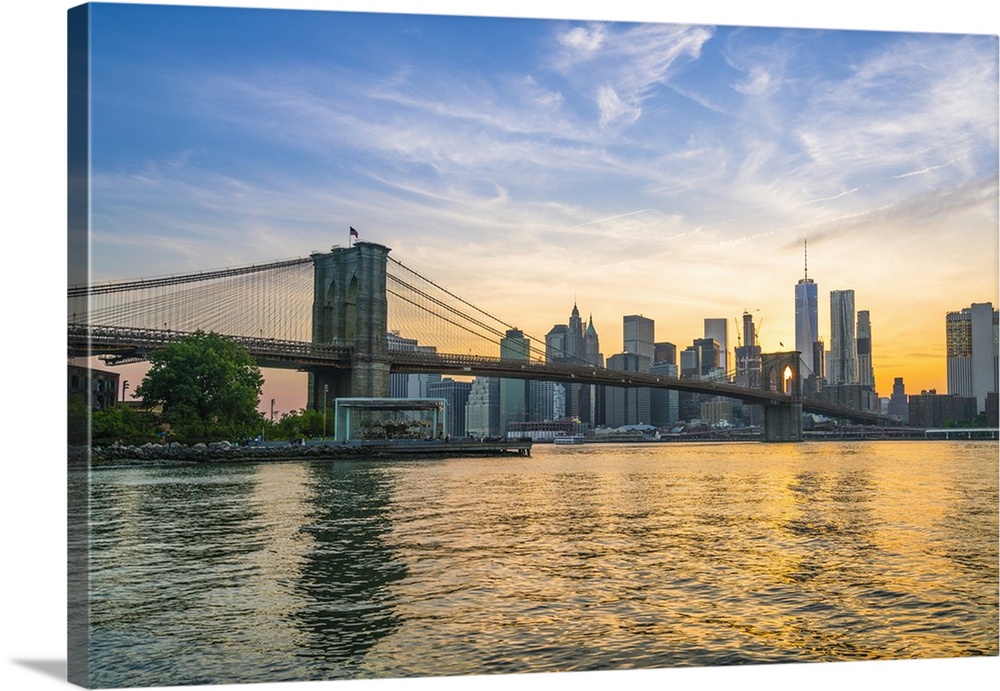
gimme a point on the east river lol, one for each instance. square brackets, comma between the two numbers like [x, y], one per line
[588, 557]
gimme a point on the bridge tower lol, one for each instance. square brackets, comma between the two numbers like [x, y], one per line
[349, 308]
[782, 421]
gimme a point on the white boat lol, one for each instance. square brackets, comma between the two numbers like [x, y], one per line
[568, 439]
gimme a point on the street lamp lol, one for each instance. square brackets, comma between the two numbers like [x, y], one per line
[272, 410]
[326, 391]
[124, 388]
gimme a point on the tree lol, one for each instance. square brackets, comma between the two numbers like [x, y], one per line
[207, 386]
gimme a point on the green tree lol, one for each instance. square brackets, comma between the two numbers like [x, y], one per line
[299, 424]
[207, 386]
[122, 424]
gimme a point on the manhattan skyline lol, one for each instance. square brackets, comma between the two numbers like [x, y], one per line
[671, 171]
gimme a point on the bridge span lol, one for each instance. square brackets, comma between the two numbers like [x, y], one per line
[333, 323]
[120, 345]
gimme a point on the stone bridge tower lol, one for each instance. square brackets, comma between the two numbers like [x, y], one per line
[349, 308]
[780, 372]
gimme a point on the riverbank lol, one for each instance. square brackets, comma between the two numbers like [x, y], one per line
[224, 452]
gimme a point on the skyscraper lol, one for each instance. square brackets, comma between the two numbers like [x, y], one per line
[513, 392]
[843, 364]
[806, 320]
[571, 343]
[482, 410]
[866, 373]
[748, 356]
[972, 343]
[719, 330]
[638, 336]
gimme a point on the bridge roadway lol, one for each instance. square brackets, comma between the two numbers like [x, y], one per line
[119, 345]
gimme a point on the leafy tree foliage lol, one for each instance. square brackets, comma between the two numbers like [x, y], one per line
[207, 386]
[300, 424]
[124, 424]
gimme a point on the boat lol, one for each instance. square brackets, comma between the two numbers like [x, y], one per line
[568, 439]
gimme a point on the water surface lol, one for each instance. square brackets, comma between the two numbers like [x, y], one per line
[578, 558]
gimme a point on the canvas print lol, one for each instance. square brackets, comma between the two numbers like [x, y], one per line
[412, 345]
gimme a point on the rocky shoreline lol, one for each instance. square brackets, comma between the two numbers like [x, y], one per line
[175, 453]
[217, 452]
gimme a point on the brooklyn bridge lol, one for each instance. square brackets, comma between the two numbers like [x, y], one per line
[331, 314]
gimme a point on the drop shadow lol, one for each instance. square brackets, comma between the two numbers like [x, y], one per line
[50, 668]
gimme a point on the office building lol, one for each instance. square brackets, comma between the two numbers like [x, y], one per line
[709, 358]
[513, 392]
[665, 352]
[842, 367]
[546, 401]
[972, 345]
[482, 410]
[412, 385]
[637, 334]
[664, 404]
[748, 356]
[718, 329]
[456, 396]
[627, 406]
[899, 408]
[577, 345]
[806, 321]
[866, 373]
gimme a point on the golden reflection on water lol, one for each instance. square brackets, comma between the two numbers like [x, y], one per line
[585, 558]
[577, 558]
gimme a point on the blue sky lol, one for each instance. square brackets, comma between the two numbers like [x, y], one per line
[636, 167]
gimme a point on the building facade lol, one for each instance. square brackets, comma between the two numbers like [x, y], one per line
[718, 329]
[842, 368]
[972, 346]
[514, 392]
[806, 322]
[637, 332]
[930, 409]
[866, 372]
[482, 410]
[456, 396]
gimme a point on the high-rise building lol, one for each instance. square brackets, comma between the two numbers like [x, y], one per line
[843, 363]
[972, 346]
[806, 321]
[412, 385]
[456, 397]
[665, 352]
[719, 330]
[627, 406]
[748, 356]
[898, 406]
[638, 336]
[710, 357]
[513, 392]
[664, 408]
[592, 345]
[482, 411]
[576, 345]
[866, 373]
[546, 401]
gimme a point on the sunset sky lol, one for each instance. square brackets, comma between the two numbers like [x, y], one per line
[648, 168]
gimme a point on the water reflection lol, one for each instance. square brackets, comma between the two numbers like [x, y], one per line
[347, 606]
[573, 559]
